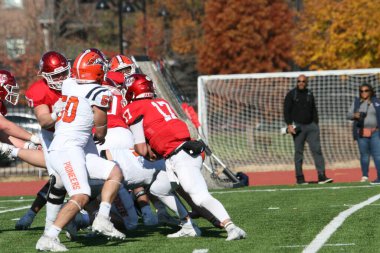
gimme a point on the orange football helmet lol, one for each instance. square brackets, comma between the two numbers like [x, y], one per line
[89, 67]
[122, 63]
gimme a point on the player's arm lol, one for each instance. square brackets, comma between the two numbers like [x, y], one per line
[100, 123]
[137, 130]
[8, 128]
[45, 118]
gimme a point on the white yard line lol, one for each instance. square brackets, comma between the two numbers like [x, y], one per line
[295, 189]
[326, 245]
[15, 209]
[15, 200]
[200, 251]
[330, 228]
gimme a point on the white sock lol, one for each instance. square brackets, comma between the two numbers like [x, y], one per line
[52, 211]
[105, 209]
[186, 221]
[229, 225]
[53, 231]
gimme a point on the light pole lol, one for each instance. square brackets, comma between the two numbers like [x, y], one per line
[121, 7]
[46, 21]
[165, 15]
[127, 6]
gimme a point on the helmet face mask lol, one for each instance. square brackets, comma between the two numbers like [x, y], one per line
[8, 87]
[123, 64]
[54, 68]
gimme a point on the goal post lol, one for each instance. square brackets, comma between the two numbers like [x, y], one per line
[241, 116]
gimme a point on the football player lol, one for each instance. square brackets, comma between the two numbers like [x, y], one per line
[157, 131]
[10, 132]
[136, 170]
[44, 97]
[120, 137]
[73, 153]
[122, 64]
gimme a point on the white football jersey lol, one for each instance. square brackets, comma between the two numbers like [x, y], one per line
[75, 122]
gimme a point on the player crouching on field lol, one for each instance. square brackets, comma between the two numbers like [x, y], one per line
[158, 131]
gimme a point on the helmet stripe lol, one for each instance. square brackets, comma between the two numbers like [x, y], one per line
[119, 59]
[79, 61]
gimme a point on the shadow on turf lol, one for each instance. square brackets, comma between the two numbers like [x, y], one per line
[99, 240]
[29, 229]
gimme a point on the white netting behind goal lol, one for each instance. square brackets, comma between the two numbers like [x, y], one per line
[241, 117]
[165, 90]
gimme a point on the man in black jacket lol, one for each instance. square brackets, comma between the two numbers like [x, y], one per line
[301, 117]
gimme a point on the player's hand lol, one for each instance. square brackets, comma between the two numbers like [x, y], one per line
[35, 139]
[291, 129]
[59, 106]
[357, 115]
[152, 156]
[31, 145]
[99, 140]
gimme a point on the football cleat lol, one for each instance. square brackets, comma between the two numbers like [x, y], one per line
[104, 226]
[46, 243]
[187, 230]
[235, 233]
[25, 221]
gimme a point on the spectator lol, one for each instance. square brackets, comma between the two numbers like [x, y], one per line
[365, 112]
[301, 117]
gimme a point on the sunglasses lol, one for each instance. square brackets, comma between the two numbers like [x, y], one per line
[362, 91]
[301, 81]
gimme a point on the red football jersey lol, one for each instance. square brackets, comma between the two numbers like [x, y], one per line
[115, 113]
[39, 93]
[163, 130]
[3, 109]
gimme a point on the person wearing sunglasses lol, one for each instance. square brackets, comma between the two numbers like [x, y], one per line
[365, 113]
[301, 118]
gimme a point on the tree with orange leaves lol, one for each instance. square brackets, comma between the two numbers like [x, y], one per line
[334, 34]
[244, 36]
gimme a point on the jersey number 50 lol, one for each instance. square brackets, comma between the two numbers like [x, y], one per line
[70, 111]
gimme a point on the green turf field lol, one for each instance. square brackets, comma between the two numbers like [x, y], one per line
[276, 219]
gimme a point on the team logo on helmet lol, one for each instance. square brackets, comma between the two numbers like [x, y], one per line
[129, 81]
[3, 78]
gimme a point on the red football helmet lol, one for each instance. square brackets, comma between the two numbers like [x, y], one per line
[8, 87]
[122, 63]
[89, 67]
[138, 86]
[55, 68]
[114, 79]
